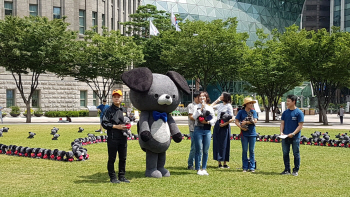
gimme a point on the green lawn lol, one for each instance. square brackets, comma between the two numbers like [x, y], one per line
[324, 170]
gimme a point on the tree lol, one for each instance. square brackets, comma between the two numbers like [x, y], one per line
[267, 72]
[153, 48]
[321, 57]
[139, 24]
[207, 50]
[100, 60]
[33, 45]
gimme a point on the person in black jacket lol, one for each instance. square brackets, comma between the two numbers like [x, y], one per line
[113, 122]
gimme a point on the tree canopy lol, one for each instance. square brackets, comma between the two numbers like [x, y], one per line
[323, 58]
[208, 51]
[267, 71]
[33, 45]
[100, 59]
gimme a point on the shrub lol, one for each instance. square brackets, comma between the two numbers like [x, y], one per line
[31, 111]
[81, 113]
[184, 114]
[15, 110]
[39, 111]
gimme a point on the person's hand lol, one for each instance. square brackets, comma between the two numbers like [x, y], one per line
[204, 122]
[290, 135]
[119, 126]
[244, 129]
[222, 125]
[246, 122]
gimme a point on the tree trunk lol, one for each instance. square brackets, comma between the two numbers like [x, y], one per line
[325, 120]
[267, 115]
[29, 115]
[320, 119]
[320, 108]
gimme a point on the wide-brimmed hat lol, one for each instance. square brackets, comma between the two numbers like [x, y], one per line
[248, 100]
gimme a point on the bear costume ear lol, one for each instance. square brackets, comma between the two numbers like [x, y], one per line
[138, 79]
[179, 80]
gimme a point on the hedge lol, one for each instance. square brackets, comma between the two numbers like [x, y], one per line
[81, 113]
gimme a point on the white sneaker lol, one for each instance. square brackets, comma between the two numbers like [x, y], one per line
[204, 172]
[200, 172]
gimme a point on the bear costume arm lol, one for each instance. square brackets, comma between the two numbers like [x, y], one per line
[144, 129]
[174, 130]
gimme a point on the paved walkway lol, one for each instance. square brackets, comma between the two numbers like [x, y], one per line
[311, 121]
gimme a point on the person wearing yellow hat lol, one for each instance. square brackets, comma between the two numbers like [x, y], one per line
[113, 121]
[246, 120]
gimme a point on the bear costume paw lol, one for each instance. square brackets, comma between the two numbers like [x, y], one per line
[153, 173]
[177, 137]
[165, 172]
[145, 136]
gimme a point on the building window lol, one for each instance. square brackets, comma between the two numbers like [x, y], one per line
[103, 20]
[56, 13]
[10, 98]
[94, 20]
[8, 8]
[82, 98]
[35, 99]
[94, 99]
[311, 7]
[33, 10]
[81, 21]
[112, 24]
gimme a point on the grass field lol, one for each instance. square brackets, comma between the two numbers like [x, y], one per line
[325, 171]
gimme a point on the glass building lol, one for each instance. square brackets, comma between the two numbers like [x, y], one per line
[340, 14]
[251, 14]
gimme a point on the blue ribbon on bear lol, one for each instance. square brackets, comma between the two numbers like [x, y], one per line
[157, 115]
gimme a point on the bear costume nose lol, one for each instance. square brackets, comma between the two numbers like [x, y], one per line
[165, 99]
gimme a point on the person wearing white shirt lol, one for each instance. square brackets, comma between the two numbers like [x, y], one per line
[191, 122]
[222, 130]
[202, 132]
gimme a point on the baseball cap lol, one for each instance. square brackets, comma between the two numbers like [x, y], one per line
[117, 91]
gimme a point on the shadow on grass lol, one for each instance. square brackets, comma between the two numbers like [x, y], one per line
[103, 177]
[179, 170]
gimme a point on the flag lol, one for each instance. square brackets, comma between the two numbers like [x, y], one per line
[174, 21]
[153, 29]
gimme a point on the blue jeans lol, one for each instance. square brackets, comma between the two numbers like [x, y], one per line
[286, 149]
[192, 151]
[202, 140]
[341, 119]
[245, 142]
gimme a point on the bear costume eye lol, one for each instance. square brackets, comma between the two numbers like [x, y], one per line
[173, 96]
[156, 96]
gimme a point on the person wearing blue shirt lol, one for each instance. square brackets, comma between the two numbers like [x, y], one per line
[291, 125]
[102, 108]
[246, 120]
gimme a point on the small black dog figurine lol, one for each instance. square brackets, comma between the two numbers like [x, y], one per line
[80, 130]
[31, 135]
[249, 118]
[55, 137]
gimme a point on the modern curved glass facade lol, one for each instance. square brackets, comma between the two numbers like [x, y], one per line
[251, 14]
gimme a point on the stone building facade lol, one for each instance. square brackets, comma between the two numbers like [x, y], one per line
[55, 93]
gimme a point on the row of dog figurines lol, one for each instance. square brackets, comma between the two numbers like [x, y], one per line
[317, 138]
